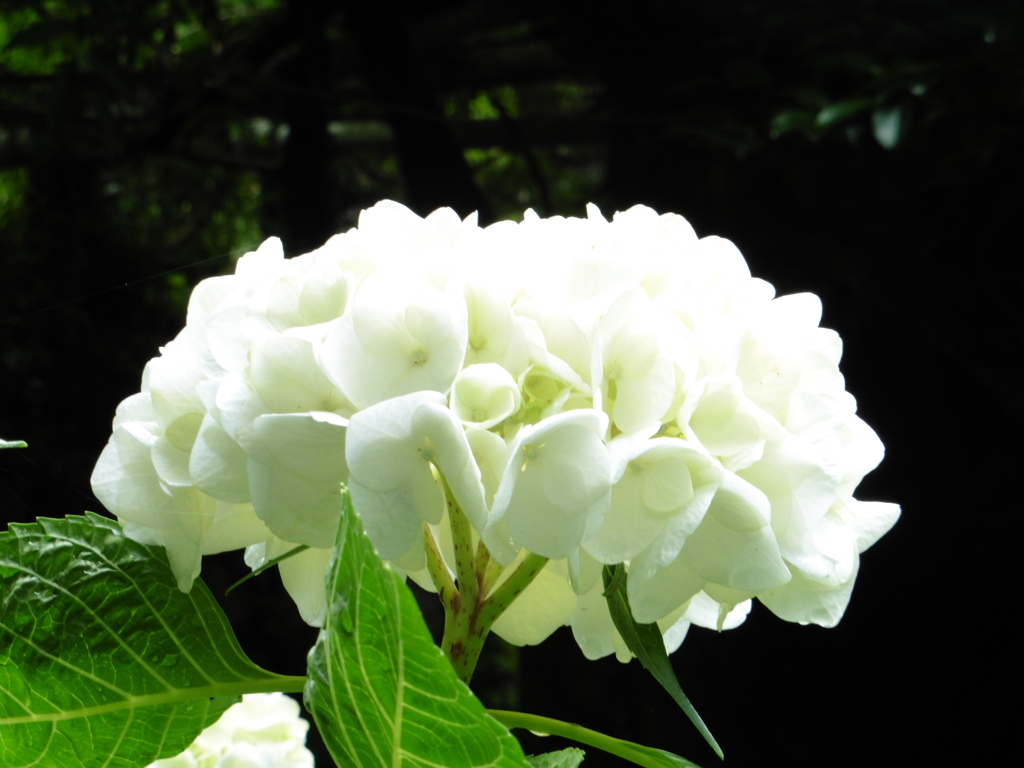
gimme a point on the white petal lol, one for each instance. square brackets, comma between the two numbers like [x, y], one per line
[494, 333]
[592, 626]
[265, 259]
[285, 374]
[401, 336]
[491, 455]
[810, 602]
[207, 296]
[305, 577]
[707, 613]
[657, 483]
[137, 407]
[557, 485]
[544, 606]
[800, 486]
[484, 395]
[453, 457]
[637, 371]
[236, 407]
[391, 447]
[725, 421]
[296, 469]
[394, 518]
[233, 526]
[171, 463]
[656, 593]
[734, 545]
[870, 519]
[325, 293]
[828, 551]
[218, 465]
[172, 386]
[125, 480]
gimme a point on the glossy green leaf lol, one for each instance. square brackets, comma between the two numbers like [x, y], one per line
[381, 692]
[563, 758]
[646, 643]
[647, 757]
[13, 444]
[103, 661]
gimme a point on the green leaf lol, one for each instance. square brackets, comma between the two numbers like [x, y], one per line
[381, 692]
[796, 121]
[13, 444]
[563, 758]
[648, 757]
[103, 661]
[646, 643]
[834, 113]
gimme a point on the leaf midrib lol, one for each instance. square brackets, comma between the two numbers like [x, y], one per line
[396, 738]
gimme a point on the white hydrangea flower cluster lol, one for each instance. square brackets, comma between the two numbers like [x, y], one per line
[264, 730]
[593, 392]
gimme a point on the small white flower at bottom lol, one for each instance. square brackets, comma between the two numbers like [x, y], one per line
[264, 730]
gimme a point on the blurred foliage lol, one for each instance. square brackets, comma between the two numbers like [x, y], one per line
[869, 151]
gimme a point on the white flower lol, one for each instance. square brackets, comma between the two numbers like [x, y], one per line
[484, 395]
[264, 730]
[297, 461]
[656, 481]
[402, 336]
[590, 391]
[142, 475]
[494, 333]
[556, 487]
[638, 369]
[729, 553]
[718, 415]
[393, 448]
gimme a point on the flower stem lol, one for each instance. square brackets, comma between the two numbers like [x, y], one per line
[438, 571]
[513, 586]
[462, 541]
[469, 613]
[486, 569]
[463, 638]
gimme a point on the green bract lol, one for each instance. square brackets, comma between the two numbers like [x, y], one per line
[644, 640]
[103, 660]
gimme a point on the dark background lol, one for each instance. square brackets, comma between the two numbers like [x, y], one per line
[868, 151]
